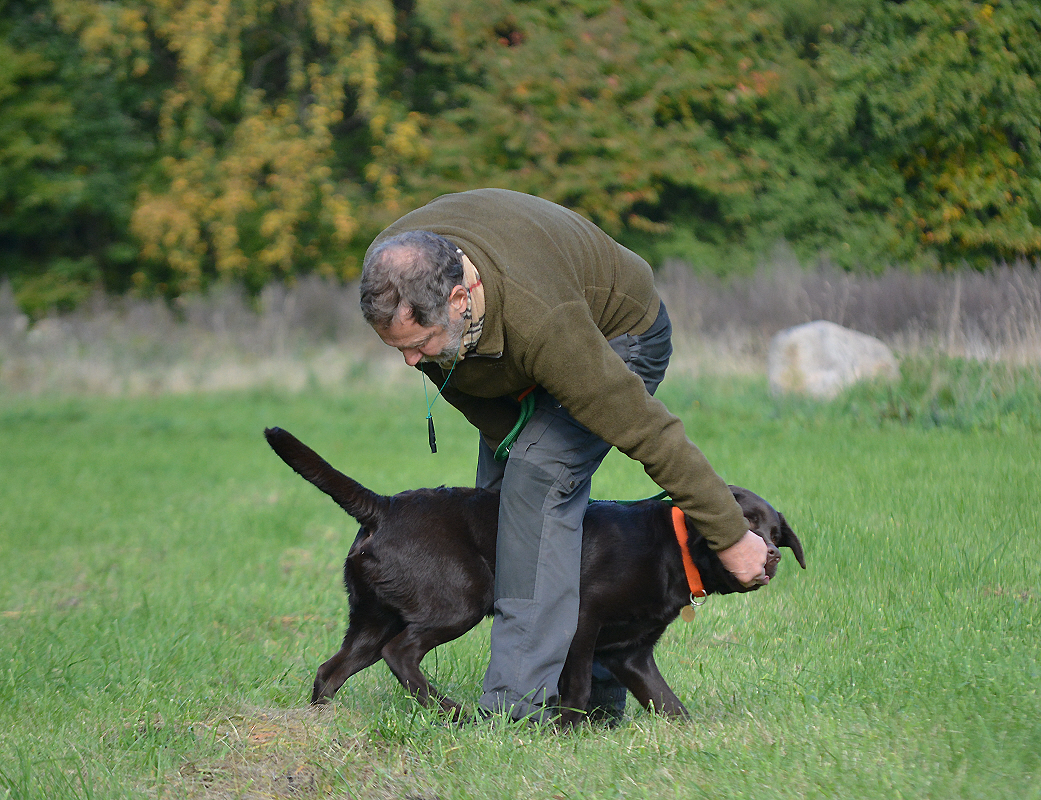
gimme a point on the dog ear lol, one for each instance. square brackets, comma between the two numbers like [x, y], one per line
[787, 538]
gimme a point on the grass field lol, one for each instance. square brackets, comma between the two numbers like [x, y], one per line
[168, 587]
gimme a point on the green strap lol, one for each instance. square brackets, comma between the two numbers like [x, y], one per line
[527, 410]
[659, 496]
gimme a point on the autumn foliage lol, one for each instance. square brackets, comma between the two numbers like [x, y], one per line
[162, 145]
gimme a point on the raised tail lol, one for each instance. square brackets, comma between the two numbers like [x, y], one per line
[364, 505]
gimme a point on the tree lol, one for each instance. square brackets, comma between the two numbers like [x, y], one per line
[870, 132]
[71, 154]
[944, 96]
[249, 184]
[613, 109]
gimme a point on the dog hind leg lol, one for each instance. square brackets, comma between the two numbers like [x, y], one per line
[362, 647]
[404, 653]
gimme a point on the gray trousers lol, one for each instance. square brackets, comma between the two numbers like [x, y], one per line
[544, 488]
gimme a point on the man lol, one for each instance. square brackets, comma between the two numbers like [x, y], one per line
[490, 292]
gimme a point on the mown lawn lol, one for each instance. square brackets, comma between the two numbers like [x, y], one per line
[168, 587]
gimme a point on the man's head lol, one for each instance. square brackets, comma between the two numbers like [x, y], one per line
[412, 294]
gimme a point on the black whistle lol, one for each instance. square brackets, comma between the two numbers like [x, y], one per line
[430, 434]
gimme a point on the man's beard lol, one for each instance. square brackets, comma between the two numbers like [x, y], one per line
[450, 352]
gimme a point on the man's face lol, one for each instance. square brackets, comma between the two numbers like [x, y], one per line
[418, 343]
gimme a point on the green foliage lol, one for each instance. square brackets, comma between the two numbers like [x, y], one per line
[166, 145]
[955, 393]
[33, 113]
[868, 132]
[629, 113]
[944, 98]
[73, 147]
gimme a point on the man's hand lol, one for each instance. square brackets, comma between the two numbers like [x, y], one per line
[746, 560]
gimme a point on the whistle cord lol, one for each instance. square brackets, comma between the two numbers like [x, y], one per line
[432, 438]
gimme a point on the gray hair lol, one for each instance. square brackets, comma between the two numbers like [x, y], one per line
[415, 271]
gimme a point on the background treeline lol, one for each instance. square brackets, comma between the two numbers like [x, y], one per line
[160, 145]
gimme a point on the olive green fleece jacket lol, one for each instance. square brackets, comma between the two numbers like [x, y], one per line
[556, 289]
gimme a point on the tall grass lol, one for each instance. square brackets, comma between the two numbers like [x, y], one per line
[311, 334]
[168, 587]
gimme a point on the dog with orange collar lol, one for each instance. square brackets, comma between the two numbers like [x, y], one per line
[421, 573]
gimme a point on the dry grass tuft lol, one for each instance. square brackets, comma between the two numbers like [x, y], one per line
[991, 316]
[294, 753]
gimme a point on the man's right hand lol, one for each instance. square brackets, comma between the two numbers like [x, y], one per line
[746, 560]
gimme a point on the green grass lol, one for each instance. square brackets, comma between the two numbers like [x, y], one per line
[168, 587]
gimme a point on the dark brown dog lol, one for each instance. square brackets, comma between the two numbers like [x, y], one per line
[420, 573]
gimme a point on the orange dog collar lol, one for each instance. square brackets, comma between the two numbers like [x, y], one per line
[697, 590]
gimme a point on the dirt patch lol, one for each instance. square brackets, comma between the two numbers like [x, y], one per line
[296, 753]
[1023, 595]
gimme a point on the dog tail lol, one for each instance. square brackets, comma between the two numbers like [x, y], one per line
[363, 504]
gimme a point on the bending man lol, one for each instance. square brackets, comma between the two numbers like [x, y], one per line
[490, 292]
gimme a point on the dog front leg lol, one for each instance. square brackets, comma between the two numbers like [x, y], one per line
[576, 678]
[641, 676]
[574, 686]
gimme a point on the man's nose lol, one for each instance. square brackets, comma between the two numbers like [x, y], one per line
[412, 356]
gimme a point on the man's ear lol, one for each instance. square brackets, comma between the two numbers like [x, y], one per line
[457, 300]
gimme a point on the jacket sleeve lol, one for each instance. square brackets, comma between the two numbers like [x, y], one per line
[602, 393]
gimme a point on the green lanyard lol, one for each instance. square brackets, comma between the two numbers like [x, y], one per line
[430, 404]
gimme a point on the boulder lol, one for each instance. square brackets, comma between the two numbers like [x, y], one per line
[821, 358]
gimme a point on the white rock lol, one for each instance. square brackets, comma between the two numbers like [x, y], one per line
[821, 358]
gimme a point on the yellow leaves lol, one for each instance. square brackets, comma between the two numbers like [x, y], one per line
[404, 136]
[113, 33]
[967, 202]
[339, 211]
[247, 126]
[337, 21]
[274, 171]
[402, 143]
[204, 34]
[170, 233]
[132, 20]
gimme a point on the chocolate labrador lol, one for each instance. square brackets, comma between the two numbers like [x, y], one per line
[421, 573]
